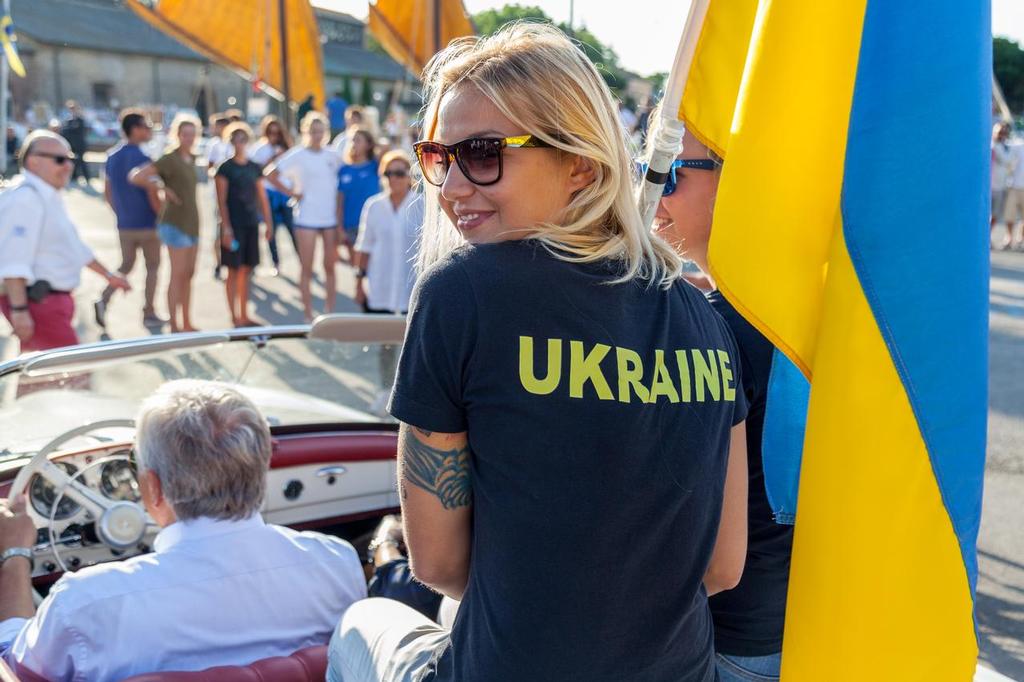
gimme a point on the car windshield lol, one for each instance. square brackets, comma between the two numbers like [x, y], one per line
[293, 381]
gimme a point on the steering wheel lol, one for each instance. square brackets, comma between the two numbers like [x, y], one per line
[119, 524]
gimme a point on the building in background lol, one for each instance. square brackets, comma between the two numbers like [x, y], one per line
[101, 54]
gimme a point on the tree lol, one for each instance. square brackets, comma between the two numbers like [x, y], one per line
[490, 20]
[366, 92]
[1008, 63]
[603, 57]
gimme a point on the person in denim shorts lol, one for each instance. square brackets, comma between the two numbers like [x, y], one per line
[178, 225]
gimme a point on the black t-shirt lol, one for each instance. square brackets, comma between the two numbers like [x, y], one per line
[598, 417]
[243, 192]
[749, 618]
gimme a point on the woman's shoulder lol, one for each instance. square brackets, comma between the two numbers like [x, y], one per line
[376, 199]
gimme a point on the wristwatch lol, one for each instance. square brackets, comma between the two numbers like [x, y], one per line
[377, 543]
[360, 273]
[19, 308]
[18, 551]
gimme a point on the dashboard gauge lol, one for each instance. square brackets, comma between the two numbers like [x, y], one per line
[118, 482]
[42, 494]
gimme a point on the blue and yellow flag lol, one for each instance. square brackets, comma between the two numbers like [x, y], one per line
[851, 228]
[9, 41]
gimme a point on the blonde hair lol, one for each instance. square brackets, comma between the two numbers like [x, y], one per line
[307, 122]
[393, 155]
[386, 159]
[236, 127]
[545, 84]
[181, 119]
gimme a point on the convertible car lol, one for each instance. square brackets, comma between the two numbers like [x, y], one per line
[67, 433]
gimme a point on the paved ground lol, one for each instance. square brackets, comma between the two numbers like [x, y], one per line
[1001, 547]
[275, 299]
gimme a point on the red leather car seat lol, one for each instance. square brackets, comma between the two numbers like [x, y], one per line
[305, 665]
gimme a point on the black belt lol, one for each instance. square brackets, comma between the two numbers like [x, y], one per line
[40, 289]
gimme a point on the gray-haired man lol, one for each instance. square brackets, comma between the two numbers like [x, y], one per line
[221, 588]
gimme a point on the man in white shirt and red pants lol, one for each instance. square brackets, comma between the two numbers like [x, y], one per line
[41, 254]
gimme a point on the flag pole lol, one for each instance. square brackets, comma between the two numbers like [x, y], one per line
[282, 25]
[5, 77]
[668, 139]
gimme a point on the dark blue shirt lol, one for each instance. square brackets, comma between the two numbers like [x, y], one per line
[358, 182]
[131, 205]
[598, 417]
[749, 618]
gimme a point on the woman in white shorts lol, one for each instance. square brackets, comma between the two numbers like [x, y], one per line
[312, 169]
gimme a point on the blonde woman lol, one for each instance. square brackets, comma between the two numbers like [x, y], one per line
[178, 225]
[571, 456]
[275, 141]
[308, 173]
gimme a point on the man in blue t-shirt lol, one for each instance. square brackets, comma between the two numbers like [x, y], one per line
[136, 210]
[336, 107]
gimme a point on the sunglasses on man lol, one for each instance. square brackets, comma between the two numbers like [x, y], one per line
[479, 158]
[59, 159]
[396, 174]
[672, 181]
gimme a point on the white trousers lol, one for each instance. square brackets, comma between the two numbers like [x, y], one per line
[382, 640]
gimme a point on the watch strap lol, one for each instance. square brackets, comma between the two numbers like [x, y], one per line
[11, 552]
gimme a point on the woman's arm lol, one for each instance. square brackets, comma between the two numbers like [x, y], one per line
[730, 551]
[273, 176]
[227, 235]
[268, 215]
[436, 494]
[143, 176]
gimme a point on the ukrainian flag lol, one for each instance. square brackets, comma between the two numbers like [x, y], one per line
[851, 228]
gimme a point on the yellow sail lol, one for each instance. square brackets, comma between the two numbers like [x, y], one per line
[411, 31]
[245, 35]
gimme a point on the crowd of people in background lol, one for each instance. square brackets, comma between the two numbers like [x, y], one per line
[1007, 185]
[317, 188]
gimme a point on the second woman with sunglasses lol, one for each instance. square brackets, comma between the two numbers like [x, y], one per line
[385, 251]
[571, 459]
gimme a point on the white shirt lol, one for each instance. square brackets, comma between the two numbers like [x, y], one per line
[212, 593]
[263, 153]
[37, 238]
[389, 236]
[340, 142]
[314, 175]
[1016, 176]
[218, 152]
[1002, 164]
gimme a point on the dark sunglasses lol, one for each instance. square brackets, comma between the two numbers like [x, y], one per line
[396, 174]
[672, 181]
[479, 158]
[59, 159]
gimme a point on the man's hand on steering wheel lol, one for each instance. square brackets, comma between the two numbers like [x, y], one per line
[16, 527]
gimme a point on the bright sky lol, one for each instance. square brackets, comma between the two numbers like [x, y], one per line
[645, 36]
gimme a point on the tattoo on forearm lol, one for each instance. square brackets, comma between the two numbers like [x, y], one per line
[444, 473]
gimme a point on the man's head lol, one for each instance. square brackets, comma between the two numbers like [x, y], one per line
[73, 107]
[136, 126]
[203, 450]
[48, 156]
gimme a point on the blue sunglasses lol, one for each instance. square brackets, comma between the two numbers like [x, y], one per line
[670, 177]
